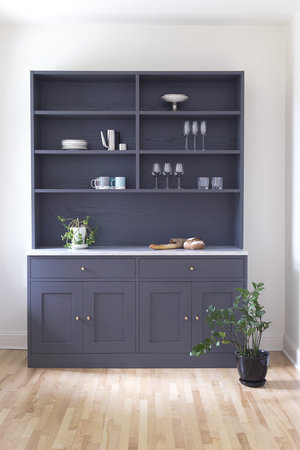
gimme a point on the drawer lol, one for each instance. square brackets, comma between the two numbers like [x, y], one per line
[210, 267]
[82, 267]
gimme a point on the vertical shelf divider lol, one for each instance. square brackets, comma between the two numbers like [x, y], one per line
[33, 169]
[240, 221]
[137, 131]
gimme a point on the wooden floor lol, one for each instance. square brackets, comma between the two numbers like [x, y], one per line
[146, 408]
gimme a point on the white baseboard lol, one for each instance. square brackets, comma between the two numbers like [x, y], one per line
[18, 340]
[13, 340]
[291, 350]
[272, 343]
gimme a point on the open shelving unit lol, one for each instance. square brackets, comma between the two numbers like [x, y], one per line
[78, 105]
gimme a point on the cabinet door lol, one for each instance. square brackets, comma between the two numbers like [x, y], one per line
[165, 309]
[54, 308]
[218, 293]
[110, 307]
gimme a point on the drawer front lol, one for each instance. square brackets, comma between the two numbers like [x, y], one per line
[82, 267]
[191, 268]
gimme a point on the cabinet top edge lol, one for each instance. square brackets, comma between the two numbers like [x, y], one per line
[129, 72]
[137, 251]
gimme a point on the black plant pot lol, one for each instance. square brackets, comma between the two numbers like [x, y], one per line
[253, 370]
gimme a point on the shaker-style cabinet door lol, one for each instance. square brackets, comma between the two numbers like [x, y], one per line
[165, 310]
[56, 324]
[109, 312]
[218, 293]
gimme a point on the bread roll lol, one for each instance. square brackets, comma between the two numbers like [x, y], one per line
[194, 243]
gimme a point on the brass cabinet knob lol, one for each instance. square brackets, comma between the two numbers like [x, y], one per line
[88, 318]
[197, 317]
[82, 268]
[186, 318]
[77, 318]
[192, 268]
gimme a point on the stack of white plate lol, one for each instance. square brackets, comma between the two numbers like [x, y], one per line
[74, 144]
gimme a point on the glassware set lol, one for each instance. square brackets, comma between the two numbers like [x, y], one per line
[216, 183]
[193, 128]
[167, 171]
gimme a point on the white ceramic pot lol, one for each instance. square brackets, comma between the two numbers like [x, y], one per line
[79, 233]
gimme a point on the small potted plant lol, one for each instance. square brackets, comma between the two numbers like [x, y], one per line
[78, 233]
[240, 325]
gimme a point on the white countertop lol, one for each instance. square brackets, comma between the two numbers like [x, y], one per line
[136, 251]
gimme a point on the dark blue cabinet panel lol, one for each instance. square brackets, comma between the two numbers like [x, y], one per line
[54, 308]
[164, 132]
[165, 309]
[218, 293]
[191, 268]
[95, 91]
[217, 91]
[109, 311]
[126, 219]
[82, 267]
[53, 131]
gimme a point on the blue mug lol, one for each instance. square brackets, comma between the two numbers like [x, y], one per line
[118, 182]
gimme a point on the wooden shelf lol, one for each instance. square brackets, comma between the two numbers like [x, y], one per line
[82, 113]
[190, 113]
[135, 191]
[187, 191]
[58, 113]
[84, 191]
[85, 152]
[133, 152]
[190, 152]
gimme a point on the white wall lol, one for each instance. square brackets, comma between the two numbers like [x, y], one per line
[260, 51]
[292, 334]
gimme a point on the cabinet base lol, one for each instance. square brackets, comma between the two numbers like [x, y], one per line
[128, 361]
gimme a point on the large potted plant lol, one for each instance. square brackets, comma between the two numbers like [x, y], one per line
[240, 325]
[78, 233]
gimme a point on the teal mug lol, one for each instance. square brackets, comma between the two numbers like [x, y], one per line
[118, 182]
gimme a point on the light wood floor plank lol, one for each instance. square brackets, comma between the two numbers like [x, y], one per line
[146, 409]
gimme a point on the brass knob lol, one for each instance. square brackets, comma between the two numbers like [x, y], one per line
[88, 318]
[191, 268]
[186, 318]
[197, 317]
[83, 269]
[77, 317]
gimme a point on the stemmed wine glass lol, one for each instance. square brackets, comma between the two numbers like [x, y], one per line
[156, 171]
[203, 132]
[186, 133]
[195, 131]
[167, 171]
[178, 172]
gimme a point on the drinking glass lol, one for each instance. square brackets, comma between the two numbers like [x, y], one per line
[203, 132]
[156, 171]
[217, 183]
[195, 131]
[167, 171]
[186, 133]
[178, 172]
[203, 183]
